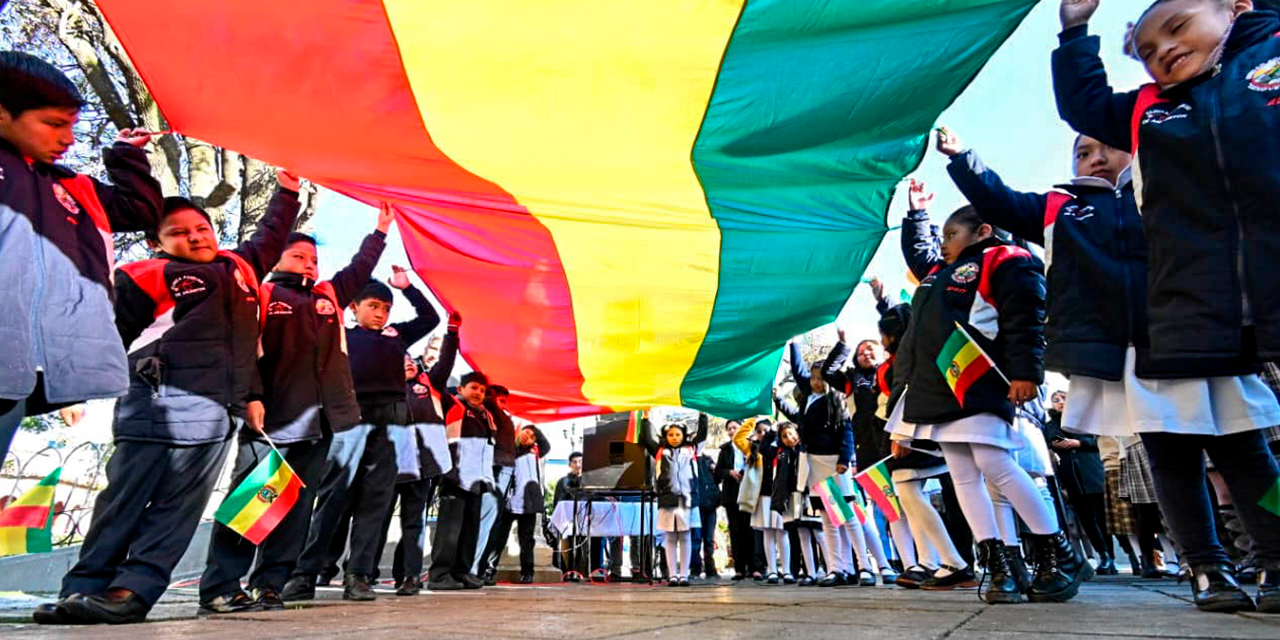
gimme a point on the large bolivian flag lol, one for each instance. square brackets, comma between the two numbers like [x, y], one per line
[633, 203]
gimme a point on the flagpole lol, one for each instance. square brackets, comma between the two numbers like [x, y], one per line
[282, 459]
[984, 353]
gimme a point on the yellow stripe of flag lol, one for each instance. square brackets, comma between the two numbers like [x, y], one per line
[255, 507]
[963, 359]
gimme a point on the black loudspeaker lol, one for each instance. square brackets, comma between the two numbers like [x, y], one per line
[609, 461]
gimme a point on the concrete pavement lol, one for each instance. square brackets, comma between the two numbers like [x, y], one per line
[1107, 609]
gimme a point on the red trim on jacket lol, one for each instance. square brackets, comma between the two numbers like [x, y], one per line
[991, 260]
[1148, 96]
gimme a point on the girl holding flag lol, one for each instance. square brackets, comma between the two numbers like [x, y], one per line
[975, 350]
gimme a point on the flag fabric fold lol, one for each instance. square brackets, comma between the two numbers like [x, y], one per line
[261, 501]
[634, 204]
[878, 483]
[838, 509]
[1271, 499]
[26, 525]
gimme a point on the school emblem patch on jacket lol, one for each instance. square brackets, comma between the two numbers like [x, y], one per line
[965, 273]
[324, 307]
[277, 308]
[391, 332]
[186, 285]
[1266, 76]
[64, 198]
[420, 390]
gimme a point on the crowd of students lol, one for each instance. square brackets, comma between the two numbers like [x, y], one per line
[1153, 296]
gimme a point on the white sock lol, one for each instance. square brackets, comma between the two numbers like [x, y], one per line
[686, 551]
[771, 549]
[806, 548]
[903, 541]
[871, 533]
[833, 549]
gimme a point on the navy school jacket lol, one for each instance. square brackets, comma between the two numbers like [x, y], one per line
[56, 258]
[825, 425]
[470, 431]
[1206, 173]
[870, 440]
[304, 350]
[191, 331]
[377, 357]
[425, 393]
[997, 293]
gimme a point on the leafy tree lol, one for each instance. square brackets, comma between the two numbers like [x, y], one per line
[72, 34]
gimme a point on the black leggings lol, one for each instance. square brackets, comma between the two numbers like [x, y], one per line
[1091, 511]
[1149, 527]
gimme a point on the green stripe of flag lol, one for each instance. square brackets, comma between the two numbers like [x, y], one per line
[819, 110]
[954, 344]
[252, 484]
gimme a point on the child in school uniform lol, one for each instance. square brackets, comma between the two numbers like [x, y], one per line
[935, 564]
[308, 395]
[677, 485]
[759, 443]
[190, 320]
[470, 430]
[988, 296]
[55, 246]
[524, 501]
[827, 430]
[428, 451]
[361, 465]
[790, 479]
[1206, 171]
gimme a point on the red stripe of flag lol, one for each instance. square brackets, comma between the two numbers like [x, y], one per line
[33, 517]
[266, 523]
[976, 369]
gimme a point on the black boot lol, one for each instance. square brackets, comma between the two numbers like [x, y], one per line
[1269, 589]
[356, 587]
[1018, 568]
[1215, 589]
[1000, 587]
[1107, 566]
[1059, 569]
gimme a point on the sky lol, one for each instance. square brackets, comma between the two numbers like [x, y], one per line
[1007, 115]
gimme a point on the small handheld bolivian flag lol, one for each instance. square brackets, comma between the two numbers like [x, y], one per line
[255, 507]
[962, 362]
[879, 487]
[635, 422]
[838, 510]
[26, 525]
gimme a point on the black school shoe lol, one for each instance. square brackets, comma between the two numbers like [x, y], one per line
[446, 583]
[357, 588]
[525, 578]
[470, 581]
[268, 599]
[833, 579]
[957, 579]
[913, 576]
[410, 586]
[235, 602]
[1215, 589]
[299, 588]
[116, 608]
[51, 613]
[1059, 569]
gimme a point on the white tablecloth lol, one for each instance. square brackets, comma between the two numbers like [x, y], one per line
[608, 519]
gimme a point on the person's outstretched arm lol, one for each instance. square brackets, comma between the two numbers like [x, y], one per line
[1017, 212]
[798, 370]
[263, 249]
[133, 201]
[352, 278]
[439, 373]
[1084, 95]
[427, 320]
[921, 247]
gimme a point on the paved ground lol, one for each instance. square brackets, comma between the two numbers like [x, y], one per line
[1107, 609]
